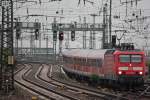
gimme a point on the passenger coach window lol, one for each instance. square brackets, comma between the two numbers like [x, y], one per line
[124, 58]
[99, 62]
[136, 58]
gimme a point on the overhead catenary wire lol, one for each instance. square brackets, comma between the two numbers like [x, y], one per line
[71, 13]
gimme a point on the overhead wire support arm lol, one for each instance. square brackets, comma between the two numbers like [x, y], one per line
[85, 2]
[90, 1]
[127, 2]
[24, 1]
[131, 1]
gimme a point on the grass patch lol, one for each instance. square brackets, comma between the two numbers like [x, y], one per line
[94, 77]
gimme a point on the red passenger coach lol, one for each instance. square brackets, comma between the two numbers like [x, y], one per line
[109, 66]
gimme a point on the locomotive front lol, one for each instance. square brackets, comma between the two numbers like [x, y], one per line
[130, 66]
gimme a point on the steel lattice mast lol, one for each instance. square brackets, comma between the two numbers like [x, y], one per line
[6, 55]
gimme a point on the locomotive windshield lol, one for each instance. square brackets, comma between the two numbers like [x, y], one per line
[124, 58]
[130, 58]
[136, 58]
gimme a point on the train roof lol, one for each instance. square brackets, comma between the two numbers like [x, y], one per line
[85, 53]
[96, 53]
[129, 52]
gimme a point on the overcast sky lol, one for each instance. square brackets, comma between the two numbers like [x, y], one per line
[71, 11]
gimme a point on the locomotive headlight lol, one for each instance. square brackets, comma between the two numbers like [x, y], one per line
[120, 72]
[140, 73]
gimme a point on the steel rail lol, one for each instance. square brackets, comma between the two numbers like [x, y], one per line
[30, 88]
[48, 89]
[86, 89]
[71, 88]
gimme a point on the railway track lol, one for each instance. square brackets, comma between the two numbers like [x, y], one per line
[39, 79]
[22, 78]
[136, 94]
[142, 93]
[33, 90]
[85, 91]
[19, 80]
[75, 92]
[30, 75]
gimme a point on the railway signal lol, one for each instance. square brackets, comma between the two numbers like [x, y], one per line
[72, 35]
[113, 40]
[54, 35]
[61, 36]
[18, 33]
[36, 33]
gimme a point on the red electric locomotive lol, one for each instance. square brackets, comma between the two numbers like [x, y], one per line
[109, 66]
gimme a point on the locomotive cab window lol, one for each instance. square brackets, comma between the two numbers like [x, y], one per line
[124, 58]
[130, 58]
[136, 58]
